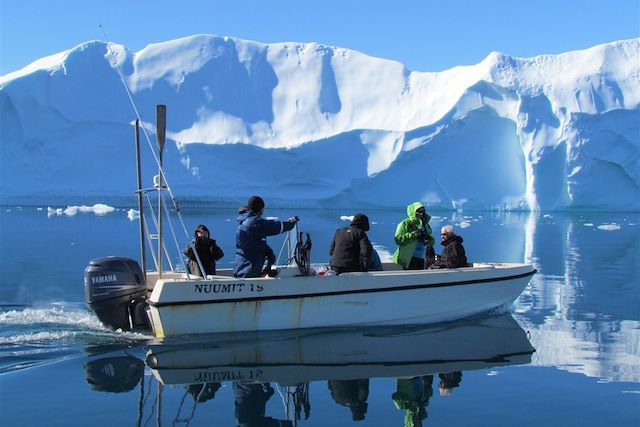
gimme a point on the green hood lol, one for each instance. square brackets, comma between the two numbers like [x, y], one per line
[413, 207]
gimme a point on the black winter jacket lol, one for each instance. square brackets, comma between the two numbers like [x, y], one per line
[208, 251]
[350, 250]
[453, 254]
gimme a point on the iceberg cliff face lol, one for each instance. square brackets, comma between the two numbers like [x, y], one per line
[311, 125]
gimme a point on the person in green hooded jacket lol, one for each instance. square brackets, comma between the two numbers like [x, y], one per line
[414, 239]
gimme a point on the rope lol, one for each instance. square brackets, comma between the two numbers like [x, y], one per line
[164, 179]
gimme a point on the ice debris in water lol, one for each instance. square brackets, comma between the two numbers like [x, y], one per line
[98, 209]
[609, 227]
[133, 214]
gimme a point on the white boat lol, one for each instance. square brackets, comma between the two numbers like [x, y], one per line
[222, 303]
[296, 357]
[124, 295]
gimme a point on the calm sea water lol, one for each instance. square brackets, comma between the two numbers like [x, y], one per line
[567, 352]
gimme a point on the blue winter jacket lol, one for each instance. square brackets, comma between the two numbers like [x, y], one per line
[251, 242]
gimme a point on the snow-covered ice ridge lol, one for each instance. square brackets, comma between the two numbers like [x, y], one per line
[313, 125]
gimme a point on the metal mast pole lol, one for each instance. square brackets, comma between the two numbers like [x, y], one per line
[161, 125]
[143, 256]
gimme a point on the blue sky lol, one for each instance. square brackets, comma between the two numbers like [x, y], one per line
[426, 35]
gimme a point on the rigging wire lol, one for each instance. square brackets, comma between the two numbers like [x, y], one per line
[164, 179]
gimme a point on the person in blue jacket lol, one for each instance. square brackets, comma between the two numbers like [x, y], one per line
[251, 238]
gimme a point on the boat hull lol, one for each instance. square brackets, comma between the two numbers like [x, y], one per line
[224, 304]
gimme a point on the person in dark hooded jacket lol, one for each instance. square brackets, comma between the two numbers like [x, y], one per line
[350, 248]
[251, 238]
[453, 254]
[207, 249]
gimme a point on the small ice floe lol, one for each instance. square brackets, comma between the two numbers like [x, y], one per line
[346, 218]
[51, 212]
[133, 214]
[98, 209]
[492, 373]
[588, 224]
[547, 216]
[609, 227]
[464, 224]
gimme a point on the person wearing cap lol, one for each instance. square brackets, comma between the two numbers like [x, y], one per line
[414, 239]
[251, 238]
[207, 249]
[350, 248]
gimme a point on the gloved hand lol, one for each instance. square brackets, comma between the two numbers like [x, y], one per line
[294, 219]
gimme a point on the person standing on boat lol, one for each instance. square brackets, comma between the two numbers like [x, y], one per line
[350, 248]
[207, 249]
[414, 239]
[453, 254]
[251, 238]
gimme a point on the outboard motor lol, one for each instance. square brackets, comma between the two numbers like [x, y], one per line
[114, 288]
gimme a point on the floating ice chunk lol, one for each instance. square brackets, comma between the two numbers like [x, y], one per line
[547, 216]
[464, 224]
[346, 218]
[133, 214]
[98, 209]
[71, 210]
[609, 227]
[51, 212]
[588, 224]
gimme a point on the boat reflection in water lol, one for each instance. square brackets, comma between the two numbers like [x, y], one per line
[255, 363]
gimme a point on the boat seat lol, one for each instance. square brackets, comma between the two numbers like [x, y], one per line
[391, 266]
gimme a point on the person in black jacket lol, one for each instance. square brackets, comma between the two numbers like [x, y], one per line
[453, 254]
[208, 251]
[350, 249]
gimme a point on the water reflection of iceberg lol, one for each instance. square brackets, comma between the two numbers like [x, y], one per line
[296, 357]
[581, 309]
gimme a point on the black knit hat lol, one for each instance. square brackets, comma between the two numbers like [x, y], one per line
[255, 203]
[361, 221]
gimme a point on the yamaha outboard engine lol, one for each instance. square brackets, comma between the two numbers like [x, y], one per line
[114, 288]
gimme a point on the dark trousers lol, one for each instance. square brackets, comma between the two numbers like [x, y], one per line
[416, 264]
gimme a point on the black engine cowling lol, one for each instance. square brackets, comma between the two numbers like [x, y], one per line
[115, 289]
